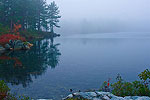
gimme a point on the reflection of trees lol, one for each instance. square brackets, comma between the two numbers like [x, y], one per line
[53, 56]
[32, 63]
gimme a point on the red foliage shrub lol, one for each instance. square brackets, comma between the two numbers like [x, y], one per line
[4, 39]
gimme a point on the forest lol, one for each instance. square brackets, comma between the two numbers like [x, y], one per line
[30, 14]
[26, 20]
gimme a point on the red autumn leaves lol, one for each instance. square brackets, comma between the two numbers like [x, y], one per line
[4, 39]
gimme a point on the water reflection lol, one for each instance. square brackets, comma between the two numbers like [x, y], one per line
[20, 67]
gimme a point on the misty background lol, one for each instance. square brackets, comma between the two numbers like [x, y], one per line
[103, 16]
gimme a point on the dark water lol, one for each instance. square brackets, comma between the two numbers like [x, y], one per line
[50, 70]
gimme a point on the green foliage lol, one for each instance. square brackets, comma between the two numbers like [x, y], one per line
[103, 86]
[4, 30]
[135, 88]
[145, 75]
[53, 16]
[13, 97]
[5, 95]
[24, 98]
[3, 89]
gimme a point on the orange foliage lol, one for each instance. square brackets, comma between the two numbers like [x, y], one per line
[16, 28]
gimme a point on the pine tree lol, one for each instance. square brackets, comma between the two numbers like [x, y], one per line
[6, 12]
[31, 14]
[53, 19]
[41, 4]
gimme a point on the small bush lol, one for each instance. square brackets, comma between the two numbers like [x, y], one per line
[135, 88]
[105, 86]
[3, 90]
[6, 95]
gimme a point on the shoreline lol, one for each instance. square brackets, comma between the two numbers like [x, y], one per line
[97, 95]
[28, 36]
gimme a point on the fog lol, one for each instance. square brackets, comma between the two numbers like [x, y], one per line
[103, 16]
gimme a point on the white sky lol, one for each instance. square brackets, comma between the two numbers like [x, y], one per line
[112, 9]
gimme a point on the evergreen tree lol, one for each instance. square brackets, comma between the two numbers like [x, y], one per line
[31, 14]
[41, 5]
[53, 13]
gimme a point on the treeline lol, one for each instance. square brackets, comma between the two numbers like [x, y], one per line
[31, 14]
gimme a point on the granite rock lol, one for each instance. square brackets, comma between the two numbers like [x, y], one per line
[103, 96]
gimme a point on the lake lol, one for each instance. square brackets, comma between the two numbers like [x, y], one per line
[78, 62]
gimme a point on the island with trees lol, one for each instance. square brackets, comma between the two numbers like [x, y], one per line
[22, 21]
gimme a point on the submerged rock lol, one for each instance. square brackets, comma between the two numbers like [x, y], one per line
[103, 96]
[2, 49]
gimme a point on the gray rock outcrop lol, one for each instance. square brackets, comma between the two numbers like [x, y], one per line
[103, 96]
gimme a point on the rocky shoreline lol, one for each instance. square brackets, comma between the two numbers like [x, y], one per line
[102, 96]
[15, 45]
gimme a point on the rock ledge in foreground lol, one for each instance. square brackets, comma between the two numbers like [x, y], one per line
[103, 96]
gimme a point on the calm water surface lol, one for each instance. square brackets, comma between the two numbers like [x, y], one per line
[78, 63]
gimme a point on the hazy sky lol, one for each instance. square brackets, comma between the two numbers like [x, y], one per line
[93, 16]
[117, 9]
